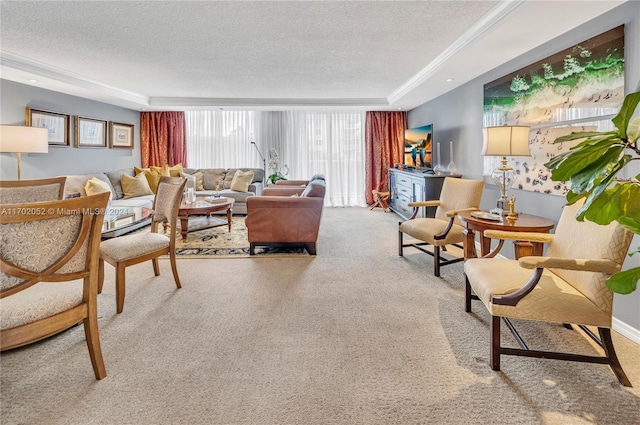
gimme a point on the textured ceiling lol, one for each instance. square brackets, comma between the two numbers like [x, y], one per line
[187, 54]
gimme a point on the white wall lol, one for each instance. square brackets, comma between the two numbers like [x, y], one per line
[457, 116]
[15, 97]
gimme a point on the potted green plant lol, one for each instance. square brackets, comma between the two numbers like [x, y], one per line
[277, 172]
[592, 167]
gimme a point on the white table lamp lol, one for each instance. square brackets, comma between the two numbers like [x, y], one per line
[505, 141]
[21, 139]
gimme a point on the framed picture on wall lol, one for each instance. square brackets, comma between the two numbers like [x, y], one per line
[121, 136]
[57, 125]
[90, 133]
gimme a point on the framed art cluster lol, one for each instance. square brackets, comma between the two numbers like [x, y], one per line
[88, 132]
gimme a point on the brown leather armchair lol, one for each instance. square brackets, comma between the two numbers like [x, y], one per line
[286, 216]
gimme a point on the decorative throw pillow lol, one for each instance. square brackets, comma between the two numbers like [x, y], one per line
[135, 186]
[241, 181]
[153, 175]
[199, 175]
[176, 170]
[163, 171]
[94, 186]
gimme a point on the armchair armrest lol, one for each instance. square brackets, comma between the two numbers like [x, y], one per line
[282, 190]
[292, 182]
[519, 236]
[601, 265]
[418, 204]
[453, 213]
[540, 263]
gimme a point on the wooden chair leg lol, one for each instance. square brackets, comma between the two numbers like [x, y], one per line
[436, 261]
[93, 344]
[100, 275]
[494, 357]
[120, 287]
[467, 295]
[252, 248]
[610, 352]
[156, 267]
[174, 268]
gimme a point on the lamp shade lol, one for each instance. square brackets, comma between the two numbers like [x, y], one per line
[21, 139]
[506, 141]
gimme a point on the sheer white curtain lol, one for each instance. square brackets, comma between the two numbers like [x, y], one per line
[331, 143]
[222, 139]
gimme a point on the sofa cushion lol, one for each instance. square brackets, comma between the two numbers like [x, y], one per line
[75, 182]
[145, 201]
[199, 175]
[114, 179]
[258, 174]
[228, 177]
[241, 181]
[135, 186]
[94, 186]
[239, 197]
[211, 176]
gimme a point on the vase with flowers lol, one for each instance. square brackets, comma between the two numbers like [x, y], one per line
[277, 172]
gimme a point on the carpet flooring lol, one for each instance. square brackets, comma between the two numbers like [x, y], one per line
[355, 335]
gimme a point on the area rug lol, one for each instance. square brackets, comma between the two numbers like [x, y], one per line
[219, 242]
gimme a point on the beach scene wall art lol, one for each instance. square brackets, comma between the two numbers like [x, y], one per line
[579, 88]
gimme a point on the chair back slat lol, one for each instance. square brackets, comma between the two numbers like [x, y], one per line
[48, 241]
[457, 194]
[26, 191]
[167, 200]
[588, 240]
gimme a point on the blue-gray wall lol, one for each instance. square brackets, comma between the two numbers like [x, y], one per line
[457, 116]
[15, 97]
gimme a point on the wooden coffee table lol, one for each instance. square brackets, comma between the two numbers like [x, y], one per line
[197, 215]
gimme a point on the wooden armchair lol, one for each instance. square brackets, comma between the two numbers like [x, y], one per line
[49, 271]
[444, 229]
[566, 286]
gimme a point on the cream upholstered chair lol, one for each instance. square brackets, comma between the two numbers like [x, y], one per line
[566, 286]
[444, 229]
[131, 249]
[23, 191]
[49, 271]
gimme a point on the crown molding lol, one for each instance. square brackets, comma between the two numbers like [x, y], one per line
[496, 15]
[201, 102]
[20, 63]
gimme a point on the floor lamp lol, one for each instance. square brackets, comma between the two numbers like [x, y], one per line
[264, 162]
[20, 139]
[505, 141]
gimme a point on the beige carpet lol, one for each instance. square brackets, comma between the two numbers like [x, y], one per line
[356, 335]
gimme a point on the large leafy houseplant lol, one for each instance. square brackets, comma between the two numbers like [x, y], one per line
[592, 167]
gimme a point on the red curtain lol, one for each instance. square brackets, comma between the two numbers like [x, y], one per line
[384, 147]
[163, 139]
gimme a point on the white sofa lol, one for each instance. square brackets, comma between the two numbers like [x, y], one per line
[75, 185]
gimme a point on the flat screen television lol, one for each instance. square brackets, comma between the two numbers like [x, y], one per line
[418, 144]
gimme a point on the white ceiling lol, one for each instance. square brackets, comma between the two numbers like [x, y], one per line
[272, 55]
